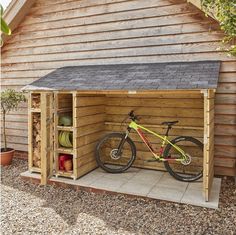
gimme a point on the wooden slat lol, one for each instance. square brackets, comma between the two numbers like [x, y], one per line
[224, 171]
[90, 101]
[165, 112]
[86, 139]
[112, 8]
[156, 120]
[84, 121]
[155, 102]
[197, 133]
[61, 5]
[88, 129]
[87, 168]
[225, 109]
[226, 151]
[89, 110]
[90, 117]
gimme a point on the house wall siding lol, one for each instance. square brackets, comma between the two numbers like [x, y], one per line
[66, 33]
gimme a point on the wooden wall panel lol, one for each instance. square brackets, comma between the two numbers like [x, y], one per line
[153, 111]
[90, 117]
[117, 31]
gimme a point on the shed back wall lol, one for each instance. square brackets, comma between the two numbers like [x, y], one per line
[66, 33]
[153, 110]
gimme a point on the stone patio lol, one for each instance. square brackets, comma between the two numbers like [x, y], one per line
[146, 183]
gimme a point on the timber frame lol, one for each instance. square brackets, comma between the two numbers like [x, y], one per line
[88, 111]
[208, 169]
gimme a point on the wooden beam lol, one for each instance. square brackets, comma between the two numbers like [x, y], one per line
[44, 139]
[208, 158]
[30, 149]
[74, 110]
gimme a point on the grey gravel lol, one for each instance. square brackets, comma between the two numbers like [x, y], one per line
[27, 208]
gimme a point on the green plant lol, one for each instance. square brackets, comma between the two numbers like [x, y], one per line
[10, 100]
[225, 12]
[4, 27]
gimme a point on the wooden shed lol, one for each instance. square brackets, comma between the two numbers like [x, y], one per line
[99, 97]
[47, 35]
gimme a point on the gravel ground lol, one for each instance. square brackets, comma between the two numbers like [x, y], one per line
[32, 209]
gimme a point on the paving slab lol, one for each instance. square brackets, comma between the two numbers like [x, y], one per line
[108, 184]
[195, 196]
[143, 182]
[166, 193]
[135, 188]
[168, 181]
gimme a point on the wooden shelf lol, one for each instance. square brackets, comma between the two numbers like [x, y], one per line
[65, 128]
[34, 110]
[65, 150]
[65, 173]
[35, 169]
[64, 110]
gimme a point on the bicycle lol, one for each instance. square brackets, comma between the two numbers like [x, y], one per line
[182, 156]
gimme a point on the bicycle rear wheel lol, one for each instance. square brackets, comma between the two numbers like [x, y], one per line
[107, 149]
[192, 168]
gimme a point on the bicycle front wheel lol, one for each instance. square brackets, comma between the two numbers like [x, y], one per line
[189, 169]
[107, 155]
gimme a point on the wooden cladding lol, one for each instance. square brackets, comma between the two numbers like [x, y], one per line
[118, 32]
[153, 110]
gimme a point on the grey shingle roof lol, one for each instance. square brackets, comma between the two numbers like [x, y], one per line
[155, 76]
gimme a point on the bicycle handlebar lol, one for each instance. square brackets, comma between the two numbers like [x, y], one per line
[133, 116]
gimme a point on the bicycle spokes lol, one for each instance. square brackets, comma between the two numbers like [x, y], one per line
[190, 163]
[111, 157]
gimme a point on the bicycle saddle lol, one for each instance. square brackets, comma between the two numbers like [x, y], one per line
[169, 123]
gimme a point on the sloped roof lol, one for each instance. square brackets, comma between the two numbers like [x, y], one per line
[155, 76]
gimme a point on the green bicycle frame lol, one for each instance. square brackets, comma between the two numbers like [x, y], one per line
[133, 125]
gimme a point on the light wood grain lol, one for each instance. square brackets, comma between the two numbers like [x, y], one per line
[118, 32]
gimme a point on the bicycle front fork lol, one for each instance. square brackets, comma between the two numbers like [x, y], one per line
[121, 144]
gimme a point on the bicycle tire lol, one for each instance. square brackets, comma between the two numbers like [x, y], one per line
[124, 167]
[172, 171]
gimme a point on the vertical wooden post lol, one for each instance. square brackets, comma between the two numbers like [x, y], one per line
[30, 149]
[56, 167]
[43, 140]
[50, 133]
[208, 161]
[75, 163]
[46, 134]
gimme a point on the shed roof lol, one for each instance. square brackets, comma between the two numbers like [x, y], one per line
[155, 76]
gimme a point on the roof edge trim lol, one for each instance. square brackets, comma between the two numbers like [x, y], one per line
[14, 14]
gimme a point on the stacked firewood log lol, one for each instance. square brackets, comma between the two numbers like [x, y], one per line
[36, 140]
[36, 101]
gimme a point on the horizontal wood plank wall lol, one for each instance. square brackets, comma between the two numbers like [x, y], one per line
[118, 31]
[155, 109]
[90, 117]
